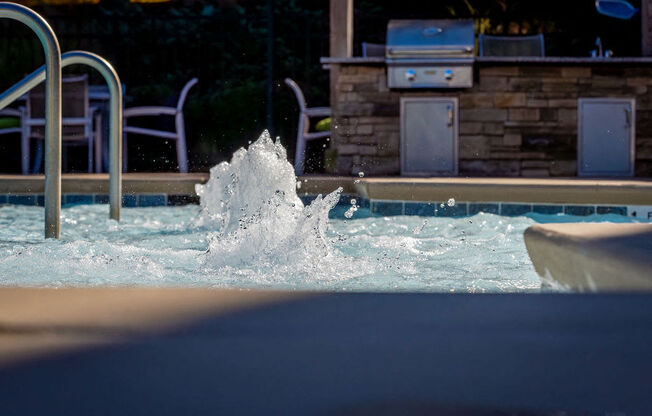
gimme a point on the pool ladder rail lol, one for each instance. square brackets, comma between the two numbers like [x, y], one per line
[51, 73]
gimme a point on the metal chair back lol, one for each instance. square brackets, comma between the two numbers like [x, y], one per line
[74, 105]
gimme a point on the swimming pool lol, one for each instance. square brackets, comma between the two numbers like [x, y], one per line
[252, 231]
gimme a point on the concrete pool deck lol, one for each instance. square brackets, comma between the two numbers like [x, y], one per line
[203, 351]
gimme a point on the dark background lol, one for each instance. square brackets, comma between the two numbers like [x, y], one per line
[156, 48]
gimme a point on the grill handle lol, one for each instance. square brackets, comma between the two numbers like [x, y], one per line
[430, 52]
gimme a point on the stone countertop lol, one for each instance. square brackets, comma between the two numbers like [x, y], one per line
[568, 60]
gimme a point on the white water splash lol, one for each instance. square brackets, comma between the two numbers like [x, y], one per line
[260, 221]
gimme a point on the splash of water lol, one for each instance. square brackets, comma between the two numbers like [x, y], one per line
[259, 219]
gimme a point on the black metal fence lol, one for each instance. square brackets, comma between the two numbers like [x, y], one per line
[157, 48]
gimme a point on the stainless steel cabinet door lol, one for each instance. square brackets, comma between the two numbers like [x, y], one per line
[429, 138]
[606, 134]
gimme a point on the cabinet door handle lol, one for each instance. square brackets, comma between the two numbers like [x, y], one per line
[450, 116]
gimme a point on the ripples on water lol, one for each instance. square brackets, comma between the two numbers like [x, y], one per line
[252, 231]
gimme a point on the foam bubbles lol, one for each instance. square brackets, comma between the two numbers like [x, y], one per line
[259, 220]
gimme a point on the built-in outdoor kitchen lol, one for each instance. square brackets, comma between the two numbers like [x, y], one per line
[434, 104]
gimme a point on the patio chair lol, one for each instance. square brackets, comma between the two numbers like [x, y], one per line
[77, 121]
[178, 135]
[303, 130]
[511, 45]
[11, 120]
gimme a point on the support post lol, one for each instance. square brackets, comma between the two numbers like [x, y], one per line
[341, 46]
[341, 28]
[646, 28]
[270, 67]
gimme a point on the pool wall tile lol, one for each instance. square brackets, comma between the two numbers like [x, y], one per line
[364, 203]
[3, 199]
[460, 209]
[612, 210]
[153, 200]
[579, 210]
[177, 200]
[101, 199]
[423, 209]
[345, 200]
[129, 200]
[548, 209]
[74, 199]
[487, 208]
[513, 210]
[307, 199]
[22, 199]
[386, 207]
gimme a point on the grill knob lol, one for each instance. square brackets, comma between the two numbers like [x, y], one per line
[448, 74]
[410, 75]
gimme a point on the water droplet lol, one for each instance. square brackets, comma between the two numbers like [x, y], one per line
[356, 181]
[278, 139]
[249, 141]
[298, 184]
[451, 202]
[361, 174]
[353, 201]
[419, 228]
[324, 146]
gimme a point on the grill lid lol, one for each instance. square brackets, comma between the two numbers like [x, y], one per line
[430, 39]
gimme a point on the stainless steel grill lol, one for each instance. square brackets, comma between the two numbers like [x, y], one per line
[430, 53]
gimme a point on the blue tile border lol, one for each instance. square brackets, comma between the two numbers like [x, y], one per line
[101, 199]
[74, 199]
[178, 200]
[366, 207]
[460, 209]
[130, 201]
[579, 210]
[488, 208]
[548, 209]
[514, 210]
[422, 209]
[152, 200]
[387, 208]
[22, 199]
[611, 210]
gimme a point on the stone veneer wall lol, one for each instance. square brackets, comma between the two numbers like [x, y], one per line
[517, 120]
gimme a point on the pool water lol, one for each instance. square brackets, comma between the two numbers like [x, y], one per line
[168, 246]
[252, 231]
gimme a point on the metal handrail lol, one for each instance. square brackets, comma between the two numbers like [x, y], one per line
[115, 120]
[52, 110]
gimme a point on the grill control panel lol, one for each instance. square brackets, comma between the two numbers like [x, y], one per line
[430, 77]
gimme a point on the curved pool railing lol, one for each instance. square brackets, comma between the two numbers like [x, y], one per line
[52, 110]
[115, 121]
